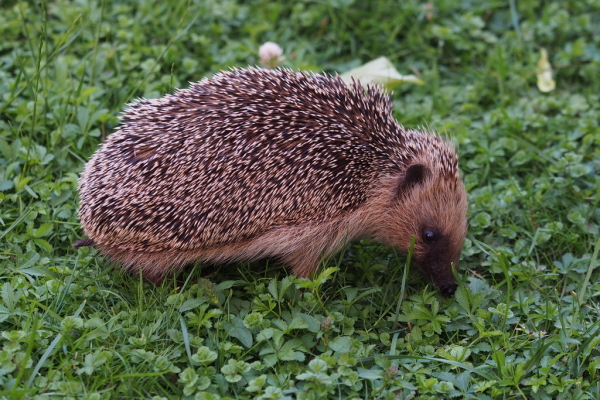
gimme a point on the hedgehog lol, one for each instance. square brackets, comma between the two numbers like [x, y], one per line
[258, 163]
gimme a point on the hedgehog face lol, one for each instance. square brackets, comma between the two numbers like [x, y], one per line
[432, 208]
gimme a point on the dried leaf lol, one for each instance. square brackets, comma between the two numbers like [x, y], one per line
[380, 71]
[544, 73]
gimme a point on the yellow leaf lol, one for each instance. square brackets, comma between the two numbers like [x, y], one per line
[544, 73]
[380, 71]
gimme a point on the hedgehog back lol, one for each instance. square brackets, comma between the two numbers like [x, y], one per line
[236, 155]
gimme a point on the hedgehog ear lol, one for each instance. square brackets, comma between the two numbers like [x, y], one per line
[415, 174]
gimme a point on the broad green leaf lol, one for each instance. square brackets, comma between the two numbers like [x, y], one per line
[191, 304]
[239, 331]
[43, 230]
[313, 324]
[341, 344]
[43, 244]
[225, 285]
[370, 374]
[4, 313]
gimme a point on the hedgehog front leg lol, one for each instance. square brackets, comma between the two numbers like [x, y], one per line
[154, 266]
[302, 264]
[318, 243]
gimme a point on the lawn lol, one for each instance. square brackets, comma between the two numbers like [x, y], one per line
[525, 321]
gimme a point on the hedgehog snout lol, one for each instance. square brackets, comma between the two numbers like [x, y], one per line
[448, 289]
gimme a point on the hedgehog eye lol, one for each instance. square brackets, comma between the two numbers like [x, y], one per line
[429, 237]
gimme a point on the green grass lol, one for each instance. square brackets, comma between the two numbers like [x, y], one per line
[524, 323]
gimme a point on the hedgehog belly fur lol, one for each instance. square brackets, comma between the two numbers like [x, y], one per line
[300, 247]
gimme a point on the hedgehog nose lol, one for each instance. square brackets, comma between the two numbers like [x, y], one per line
[448, 290]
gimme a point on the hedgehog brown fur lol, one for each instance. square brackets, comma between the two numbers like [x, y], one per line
[260, 163]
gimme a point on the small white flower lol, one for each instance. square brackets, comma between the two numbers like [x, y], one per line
[270, 54]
